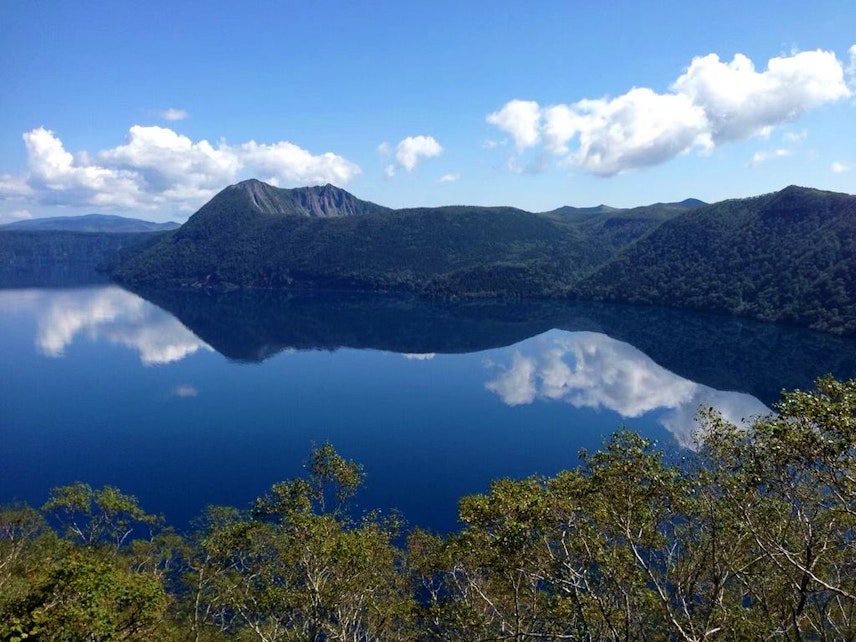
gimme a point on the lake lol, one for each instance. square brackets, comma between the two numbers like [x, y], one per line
[190, 398]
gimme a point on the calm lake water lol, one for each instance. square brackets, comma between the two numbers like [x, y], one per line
[188, 399]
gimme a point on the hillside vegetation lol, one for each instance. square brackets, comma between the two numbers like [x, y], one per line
[787, 257]
[254, 235]
[752, 538]
[31, 258]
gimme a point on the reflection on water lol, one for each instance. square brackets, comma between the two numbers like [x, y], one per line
[104, 314]
[456, 392]
[592, 370]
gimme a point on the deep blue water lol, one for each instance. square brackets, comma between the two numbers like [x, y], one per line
[191, 399]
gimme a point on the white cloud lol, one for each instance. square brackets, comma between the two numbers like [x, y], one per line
[384, 149]
[711, 103]
[762, 156]
[449, 178]
[793, 137]
[172, 114]
[839, 168]
[14, 187]
[521, 119]
[421, 356]
[414, 148]
[294, 165]
[158, 168]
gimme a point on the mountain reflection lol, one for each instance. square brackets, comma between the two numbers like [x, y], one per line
[721, 353]
[592, 370]
[627, 358]
[105, 313]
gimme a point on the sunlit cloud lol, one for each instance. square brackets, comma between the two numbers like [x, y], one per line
[591, 370]
[157, 167]
[449, 178]
[712, 103]
[839, 168]
[410, 152]
[424, 356]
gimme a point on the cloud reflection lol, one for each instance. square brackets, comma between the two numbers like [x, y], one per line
[592, 370]
[111, 314]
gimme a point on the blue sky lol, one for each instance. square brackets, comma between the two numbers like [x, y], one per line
[148, 110]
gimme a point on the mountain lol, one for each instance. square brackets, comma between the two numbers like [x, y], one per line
[90, 223]
[255, 235]
[787, 257]
[326, 201]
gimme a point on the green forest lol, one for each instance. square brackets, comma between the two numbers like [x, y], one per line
[752, 536]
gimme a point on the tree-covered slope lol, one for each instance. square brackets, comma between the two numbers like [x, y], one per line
[254, 235]
[787, 257]
[57, 258]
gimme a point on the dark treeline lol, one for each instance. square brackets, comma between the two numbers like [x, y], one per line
[753, 536]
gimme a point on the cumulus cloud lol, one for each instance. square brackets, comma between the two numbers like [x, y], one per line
[762, 156]
[414, 148]
[449, 178]
[291, 164]
[839, 168]
[712, 103]
[173, 114]
[157, 167]
[521, 119]
[592, 370]
[409, 153]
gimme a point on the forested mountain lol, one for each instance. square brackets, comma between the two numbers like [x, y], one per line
[786, 257]
[91, 223]
[255, 235]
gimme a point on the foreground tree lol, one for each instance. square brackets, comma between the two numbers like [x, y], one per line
[298, 567]
[751, 537]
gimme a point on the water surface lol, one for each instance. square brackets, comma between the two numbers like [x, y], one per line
[185, 399]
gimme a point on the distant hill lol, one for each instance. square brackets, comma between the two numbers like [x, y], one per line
[50, 258]
[92, 223]
[787, 257]
[255, 235]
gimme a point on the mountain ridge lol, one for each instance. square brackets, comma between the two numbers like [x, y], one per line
[256, 235]
[90, 223]
[785, 257]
